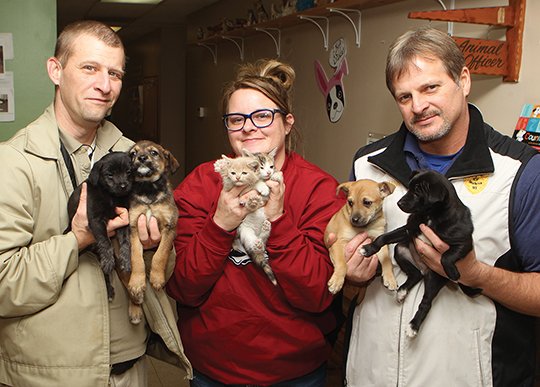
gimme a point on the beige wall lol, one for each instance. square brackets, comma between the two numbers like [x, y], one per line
[369, 106]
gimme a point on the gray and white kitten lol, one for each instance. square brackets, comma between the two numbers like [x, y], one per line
[252, 170]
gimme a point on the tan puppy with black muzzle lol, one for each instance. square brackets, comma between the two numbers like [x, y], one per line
[152, 196]
[363, 212]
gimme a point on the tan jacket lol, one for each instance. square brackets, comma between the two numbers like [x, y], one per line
[54, 314]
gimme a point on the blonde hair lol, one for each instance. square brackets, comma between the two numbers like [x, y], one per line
[66, 39]
[272, 78]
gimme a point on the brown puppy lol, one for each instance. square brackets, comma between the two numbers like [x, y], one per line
[363, 212]
[151, 196]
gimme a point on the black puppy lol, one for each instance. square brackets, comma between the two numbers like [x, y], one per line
[432, 200]
[108, 186]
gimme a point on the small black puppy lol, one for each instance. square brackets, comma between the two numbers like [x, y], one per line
[432, 200]
[108, 186]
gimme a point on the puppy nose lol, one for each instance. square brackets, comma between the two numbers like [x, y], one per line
[143, 158]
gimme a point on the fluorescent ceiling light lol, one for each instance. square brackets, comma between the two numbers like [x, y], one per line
[133, 1]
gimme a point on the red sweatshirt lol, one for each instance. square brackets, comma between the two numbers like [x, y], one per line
[236, 327]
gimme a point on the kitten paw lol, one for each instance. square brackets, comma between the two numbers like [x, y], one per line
[277, 176]
[254, 203]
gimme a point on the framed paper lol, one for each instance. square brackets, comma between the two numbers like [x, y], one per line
[2, 63]
[7, 100]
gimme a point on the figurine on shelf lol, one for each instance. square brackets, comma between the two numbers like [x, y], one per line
[260, 12]
[275, 12]
[289, 7]
[214, 30]
[251, 18]
[200, 33]
[226, 24]
[240, 22]
[302, 5]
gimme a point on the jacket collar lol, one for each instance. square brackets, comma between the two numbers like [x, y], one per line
[43, 137]
[475, 159]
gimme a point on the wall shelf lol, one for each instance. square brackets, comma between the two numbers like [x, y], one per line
[273, 28]
[489, 57]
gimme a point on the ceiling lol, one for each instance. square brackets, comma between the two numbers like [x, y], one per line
[136, 20]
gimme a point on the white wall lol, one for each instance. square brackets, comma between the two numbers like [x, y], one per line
[369, 106]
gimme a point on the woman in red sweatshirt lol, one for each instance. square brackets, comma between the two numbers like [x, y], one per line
[236, 326]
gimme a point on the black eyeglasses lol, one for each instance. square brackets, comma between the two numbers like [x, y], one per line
[261, 118]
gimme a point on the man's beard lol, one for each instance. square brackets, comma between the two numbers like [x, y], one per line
[421, 134]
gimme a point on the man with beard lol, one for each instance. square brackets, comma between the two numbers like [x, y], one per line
[487, 340]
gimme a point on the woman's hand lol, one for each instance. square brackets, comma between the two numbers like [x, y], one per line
[231, 209]
[274, 207]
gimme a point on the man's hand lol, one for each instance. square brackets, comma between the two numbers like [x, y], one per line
[468, 267]
[360, 269]
[149, 234]
[79, 223]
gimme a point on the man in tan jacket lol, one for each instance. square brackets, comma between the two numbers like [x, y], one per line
[57, 327]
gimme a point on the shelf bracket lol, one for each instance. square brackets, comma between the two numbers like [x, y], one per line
[212, 48]
[275, 35]
[240, 45]
[324, 32]
[357, 27]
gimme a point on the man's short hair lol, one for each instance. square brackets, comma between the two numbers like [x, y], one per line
[66, 39]
[425, 42]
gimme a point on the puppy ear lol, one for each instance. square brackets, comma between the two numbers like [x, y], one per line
[386, 188]
[172, 163]
[343, 187]
[95, 172]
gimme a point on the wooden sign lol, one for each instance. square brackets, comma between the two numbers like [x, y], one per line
[487, 57]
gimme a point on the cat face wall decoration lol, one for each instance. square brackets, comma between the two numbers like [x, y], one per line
[332, 89]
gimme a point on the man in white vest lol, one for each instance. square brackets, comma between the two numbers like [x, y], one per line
[486, 340]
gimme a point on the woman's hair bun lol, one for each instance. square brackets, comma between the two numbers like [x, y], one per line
[279, 72]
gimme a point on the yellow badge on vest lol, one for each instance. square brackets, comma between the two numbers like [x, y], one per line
[476, 184]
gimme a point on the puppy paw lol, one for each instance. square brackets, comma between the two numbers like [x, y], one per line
[107, 265]
[411, 332]
[335, 283]
[135, 313]
[452, 272]
[137, 287]
[124, 265]
[401, 295]
[367, 250]
[157, 280]
[389, 282]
